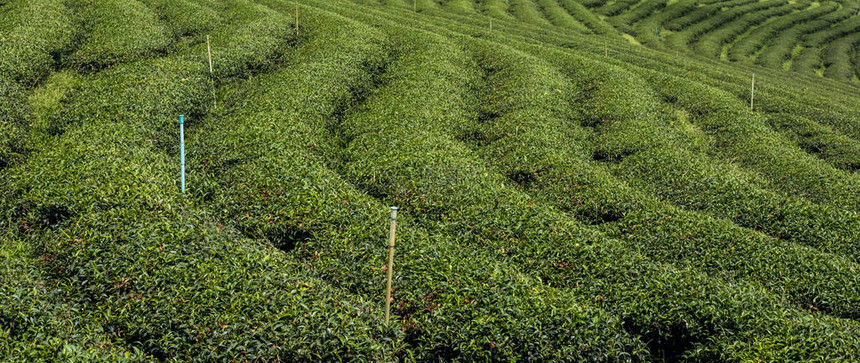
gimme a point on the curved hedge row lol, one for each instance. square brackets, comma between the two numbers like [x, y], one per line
[820, 140]
[765, 35]
[558, 16]
[693, 32]
[584, 16]
[527, 12]
[436, 303]
[837, 57]
[711, 44]
[117, 31]
[529, 140]
[35, 33]
[625, 20]
[187, 18]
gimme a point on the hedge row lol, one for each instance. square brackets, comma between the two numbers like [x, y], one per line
[711, 44]
[625, 20]
[34, 34]
[837, 149]
[644, 29]
[558, 16]
[495, 9]
[586, 17]
[188, 17]
[701, 13]
[393, 141]
[269, 172]
[764, 36]
[527, 11]
[532, 143]
[693, 32]
[116, 31]
[460, 6]
[837, 58]
[145, 267]
[613, 8]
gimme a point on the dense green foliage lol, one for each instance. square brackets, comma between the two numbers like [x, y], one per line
[565, 193]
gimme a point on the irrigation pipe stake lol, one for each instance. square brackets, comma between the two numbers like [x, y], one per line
[752, 92]
[182, 149]
[390, 269]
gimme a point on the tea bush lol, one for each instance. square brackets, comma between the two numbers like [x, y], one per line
[562, 196]
[116, 31]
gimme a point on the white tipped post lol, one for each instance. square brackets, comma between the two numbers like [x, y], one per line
[182, 149]
[390, 269]
[752, 92]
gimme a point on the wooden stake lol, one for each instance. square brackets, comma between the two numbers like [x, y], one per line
[491, 24]
[390, 263]
[209, 51]
[211, 72]
[297, 18]
[605, 49]
[752, 92]
[415, 5]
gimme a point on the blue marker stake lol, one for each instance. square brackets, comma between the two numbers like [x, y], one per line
[182, 148]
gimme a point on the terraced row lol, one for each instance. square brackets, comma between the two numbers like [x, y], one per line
[808, 37]
[556, 204]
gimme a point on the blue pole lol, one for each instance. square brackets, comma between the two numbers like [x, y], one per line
[182, 148]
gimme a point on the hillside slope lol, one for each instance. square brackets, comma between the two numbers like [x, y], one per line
[565, 192]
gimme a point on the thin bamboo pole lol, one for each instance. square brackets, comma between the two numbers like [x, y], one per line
[390, 269]
[209, 52]
[752, 92]
[211, 72]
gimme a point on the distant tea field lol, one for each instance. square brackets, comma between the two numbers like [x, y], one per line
[576, 180]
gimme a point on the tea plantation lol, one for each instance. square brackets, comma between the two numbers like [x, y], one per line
[577, 180]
